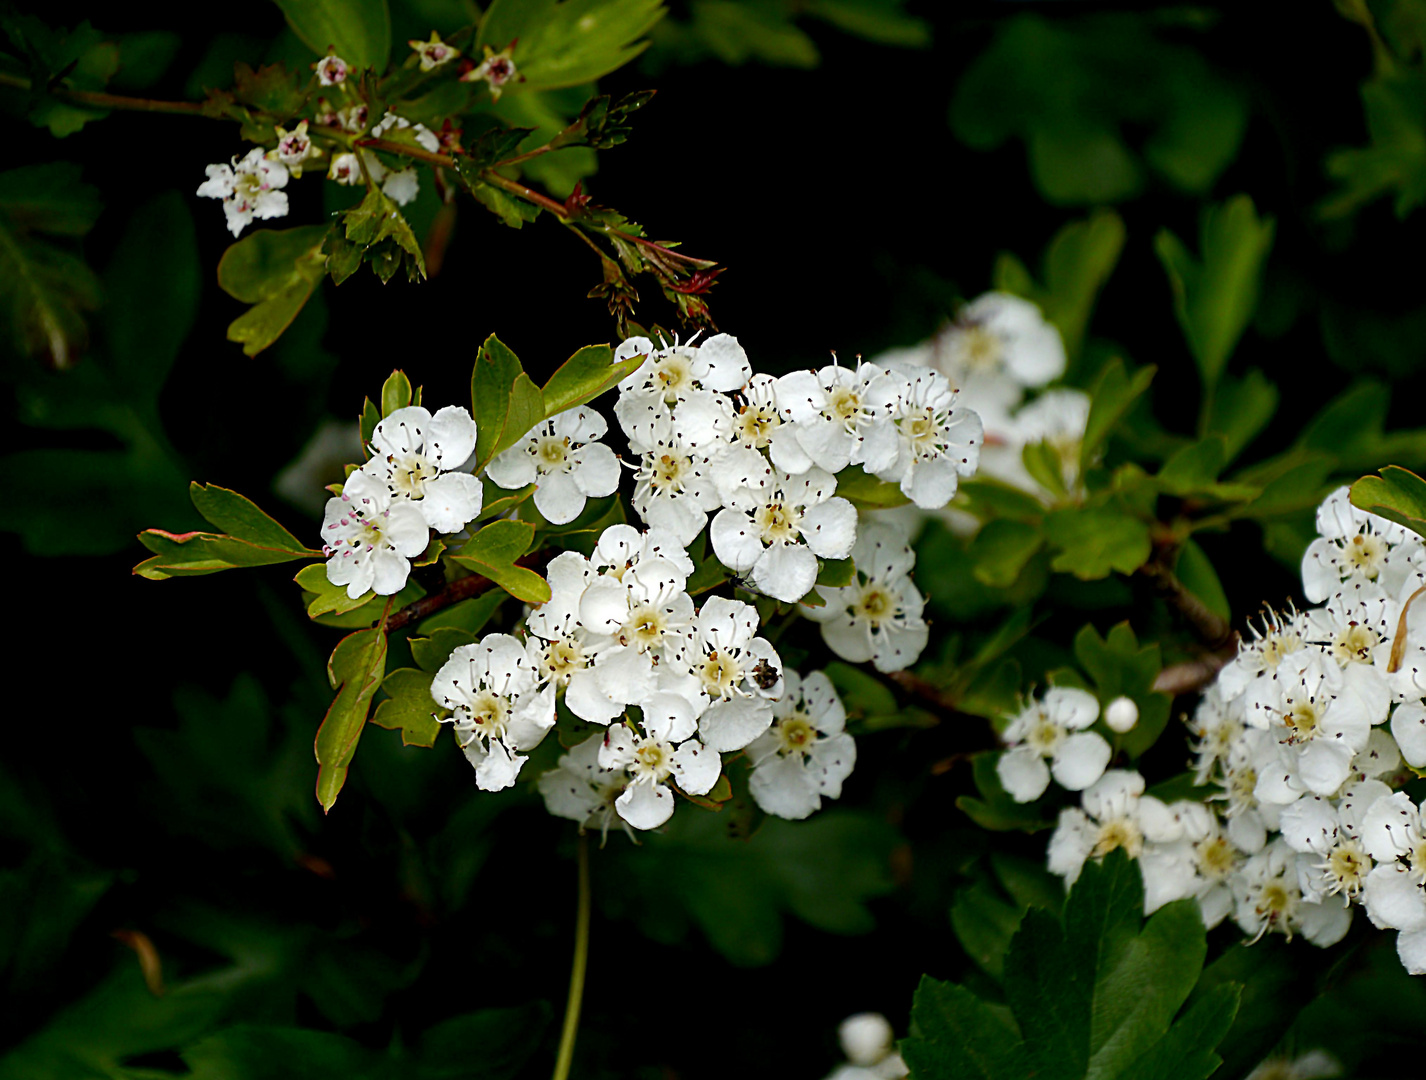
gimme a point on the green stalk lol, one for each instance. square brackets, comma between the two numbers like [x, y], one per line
[581, 963]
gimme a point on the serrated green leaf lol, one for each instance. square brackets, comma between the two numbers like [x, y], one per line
[1114, 392]
[984, 924]
[492, 553]
[355, 671]
[1094, 542]
[275, 270]
[510, 210]
[358, 30]
[957, 1036]
[409, 708]
[584, 376]
[1119, 667]
[1395, 162]
[1215, 295]
[377, 226]
[1240, 409]
[241, 518]
[570, 42]
[1186, 1053]
[1398, 495]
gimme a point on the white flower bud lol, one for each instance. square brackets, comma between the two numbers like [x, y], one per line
[1121, 715]
[866, 1038]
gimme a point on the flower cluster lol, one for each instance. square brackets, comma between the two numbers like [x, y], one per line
[411, 485]
[1309, 732]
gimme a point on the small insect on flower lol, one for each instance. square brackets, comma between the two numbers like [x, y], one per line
[765, 675]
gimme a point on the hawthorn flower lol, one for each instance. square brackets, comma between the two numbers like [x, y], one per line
[938, 443]
[1252, 674]
[497, 706]
[1355, 546]
[687, 379]
[433, 53]
[1314, 826]
[369, 537]
[1321, 723]
[400, 186]
[1200, 863]
[623, 547]
[1113, 813]
[497, 69]
[1053, 728]
[878, 616]
[581, 789]
[249, 189]
[673, 485]
[734, 676]
[331, 70]
[776, 526]
[999, 346]
[840, 416]
[293, 148]
[644, 617]
[566, 461]
[417, 457]
[806, 754]
[562, 650]
[1267, 899]
[869, 1045]
[424, 136]
[665, 750]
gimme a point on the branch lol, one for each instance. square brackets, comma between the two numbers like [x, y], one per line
[458, 590]
[1212, 629]
[98, 100]
[1190, 676]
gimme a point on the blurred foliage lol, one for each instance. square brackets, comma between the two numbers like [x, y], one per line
[1235, 318]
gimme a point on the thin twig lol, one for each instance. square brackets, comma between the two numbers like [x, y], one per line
[1190, 676]
[97, 100]
[1212, 629]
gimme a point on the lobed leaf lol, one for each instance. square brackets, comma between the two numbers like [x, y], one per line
[409, 708]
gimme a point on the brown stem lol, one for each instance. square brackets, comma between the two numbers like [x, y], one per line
[98, 100]
[419, 153]
[1214, 630]
[1190, 676]
[458, 590]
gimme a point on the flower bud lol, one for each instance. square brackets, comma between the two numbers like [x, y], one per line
[1122, 714]
[866, 1038]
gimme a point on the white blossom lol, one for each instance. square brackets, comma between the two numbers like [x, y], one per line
[665, 750]
[878, 616]
[293, 148]
[433, 53]
[806, 754]
[1053, 728]
[733, 675]
[1121, 715]
[776, 526]
[581, 789]
[1113, 813]
[676, 374]
[841, 416]
[418, 456]
[331, 70]
[249, 189]
[1355, 546]
[497, 706]
[643, 618]
[1267, 899]
[938, 442]
[564, 459]
[370, 538]
[673, 485]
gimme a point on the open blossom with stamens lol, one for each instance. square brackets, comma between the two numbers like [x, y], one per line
[644, 617]
[370, 538]
[497, 706]
[674, 487]
[562, 649]
[1114, 813]
[1268, 899]
[840, 416]
[938, 441]
[998, 347]
[249, 189]
[433, 53]
[878, 616]
[665, 750]
[1330, 832]
[623, 547]
[566, 462]
[1053, 728]
[776, 526]
[497, 69]
[417, 457]
[293, 148]
[733, 675]
[331, 70]
[806, 754]
[1355, 546]
[1395, 893]
[581, 789]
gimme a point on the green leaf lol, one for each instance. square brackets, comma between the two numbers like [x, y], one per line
[1196, 573]
[499, 502]
[1186, 1053]
[1239, 410]
[1395, 162]
[1095, 541]
[355, 671]
[241, 519]
[432, 652]
[331, 606]
[957, 1036]
[275, 270]
[196, 553]
[395, 393]
[866, 492]
[377, 226]
[584, 376]
[1043, 462]
[510, 210]
[246, 1052]
[1194, 469]
[836, 573]
[492, 553]
[1215, 295]
[1398, 495]
[358, 30]
[45, 288]
[1114, 392]
[507, 403]
[995, 809]
[984, 923]
[507, 1039]
[1001, 549]
[1119, 667]
[570, 42]
[409, 707]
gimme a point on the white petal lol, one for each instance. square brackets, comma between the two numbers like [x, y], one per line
[1324, 766]
[1411, 950]
[1408, 727]
[1071, 707]
[452, 501]
[645, 806]
[596, 470]
[830, 762]
[895, 649]
[668, 718]
[735, 540]
[845, 636]
[389, 572]
[587, 701]
[497, 769]
[1081, 760]
[1309, 825]
[513, 467]
[781, 787]
[1023, 774]
[831, 528]
[558, 498]
[1326, 923]
[450, 437]
[696, 767]
[732, 724]
[785, 572]
[931, 484]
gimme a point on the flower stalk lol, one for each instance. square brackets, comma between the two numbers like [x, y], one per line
[565, 1056]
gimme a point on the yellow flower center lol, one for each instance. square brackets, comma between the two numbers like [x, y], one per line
[796, 734]
[551, 452]
[720, 674]
[778, 523]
